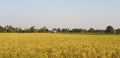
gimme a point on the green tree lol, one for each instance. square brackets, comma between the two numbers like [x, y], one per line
[20, 30]
[44, 29]
[10, 29]
[58, 30]
[32, 29]
[91, 30]
[75, 30]
[1, 29]
[64, 30]
[110, 29]
[118, 31]
[27, 30]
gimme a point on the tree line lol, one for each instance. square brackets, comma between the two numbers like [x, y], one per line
[32, 29]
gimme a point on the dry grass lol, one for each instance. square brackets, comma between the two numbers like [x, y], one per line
[45, 45]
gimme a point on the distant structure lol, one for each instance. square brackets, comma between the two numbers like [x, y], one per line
[54, 31]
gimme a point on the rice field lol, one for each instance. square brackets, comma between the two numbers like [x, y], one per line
[46, 45]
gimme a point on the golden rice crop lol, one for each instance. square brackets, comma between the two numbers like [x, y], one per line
[46, 45]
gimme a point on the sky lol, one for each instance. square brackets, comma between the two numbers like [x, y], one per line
[60, 13]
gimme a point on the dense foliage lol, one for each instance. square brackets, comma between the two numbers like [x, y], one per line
[11, 29]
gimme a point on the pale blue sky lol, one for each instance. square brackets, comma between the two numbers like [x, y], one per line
[60, 13]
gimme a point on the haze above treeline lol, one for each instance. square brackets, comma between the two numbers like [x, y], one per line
[60, 13]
